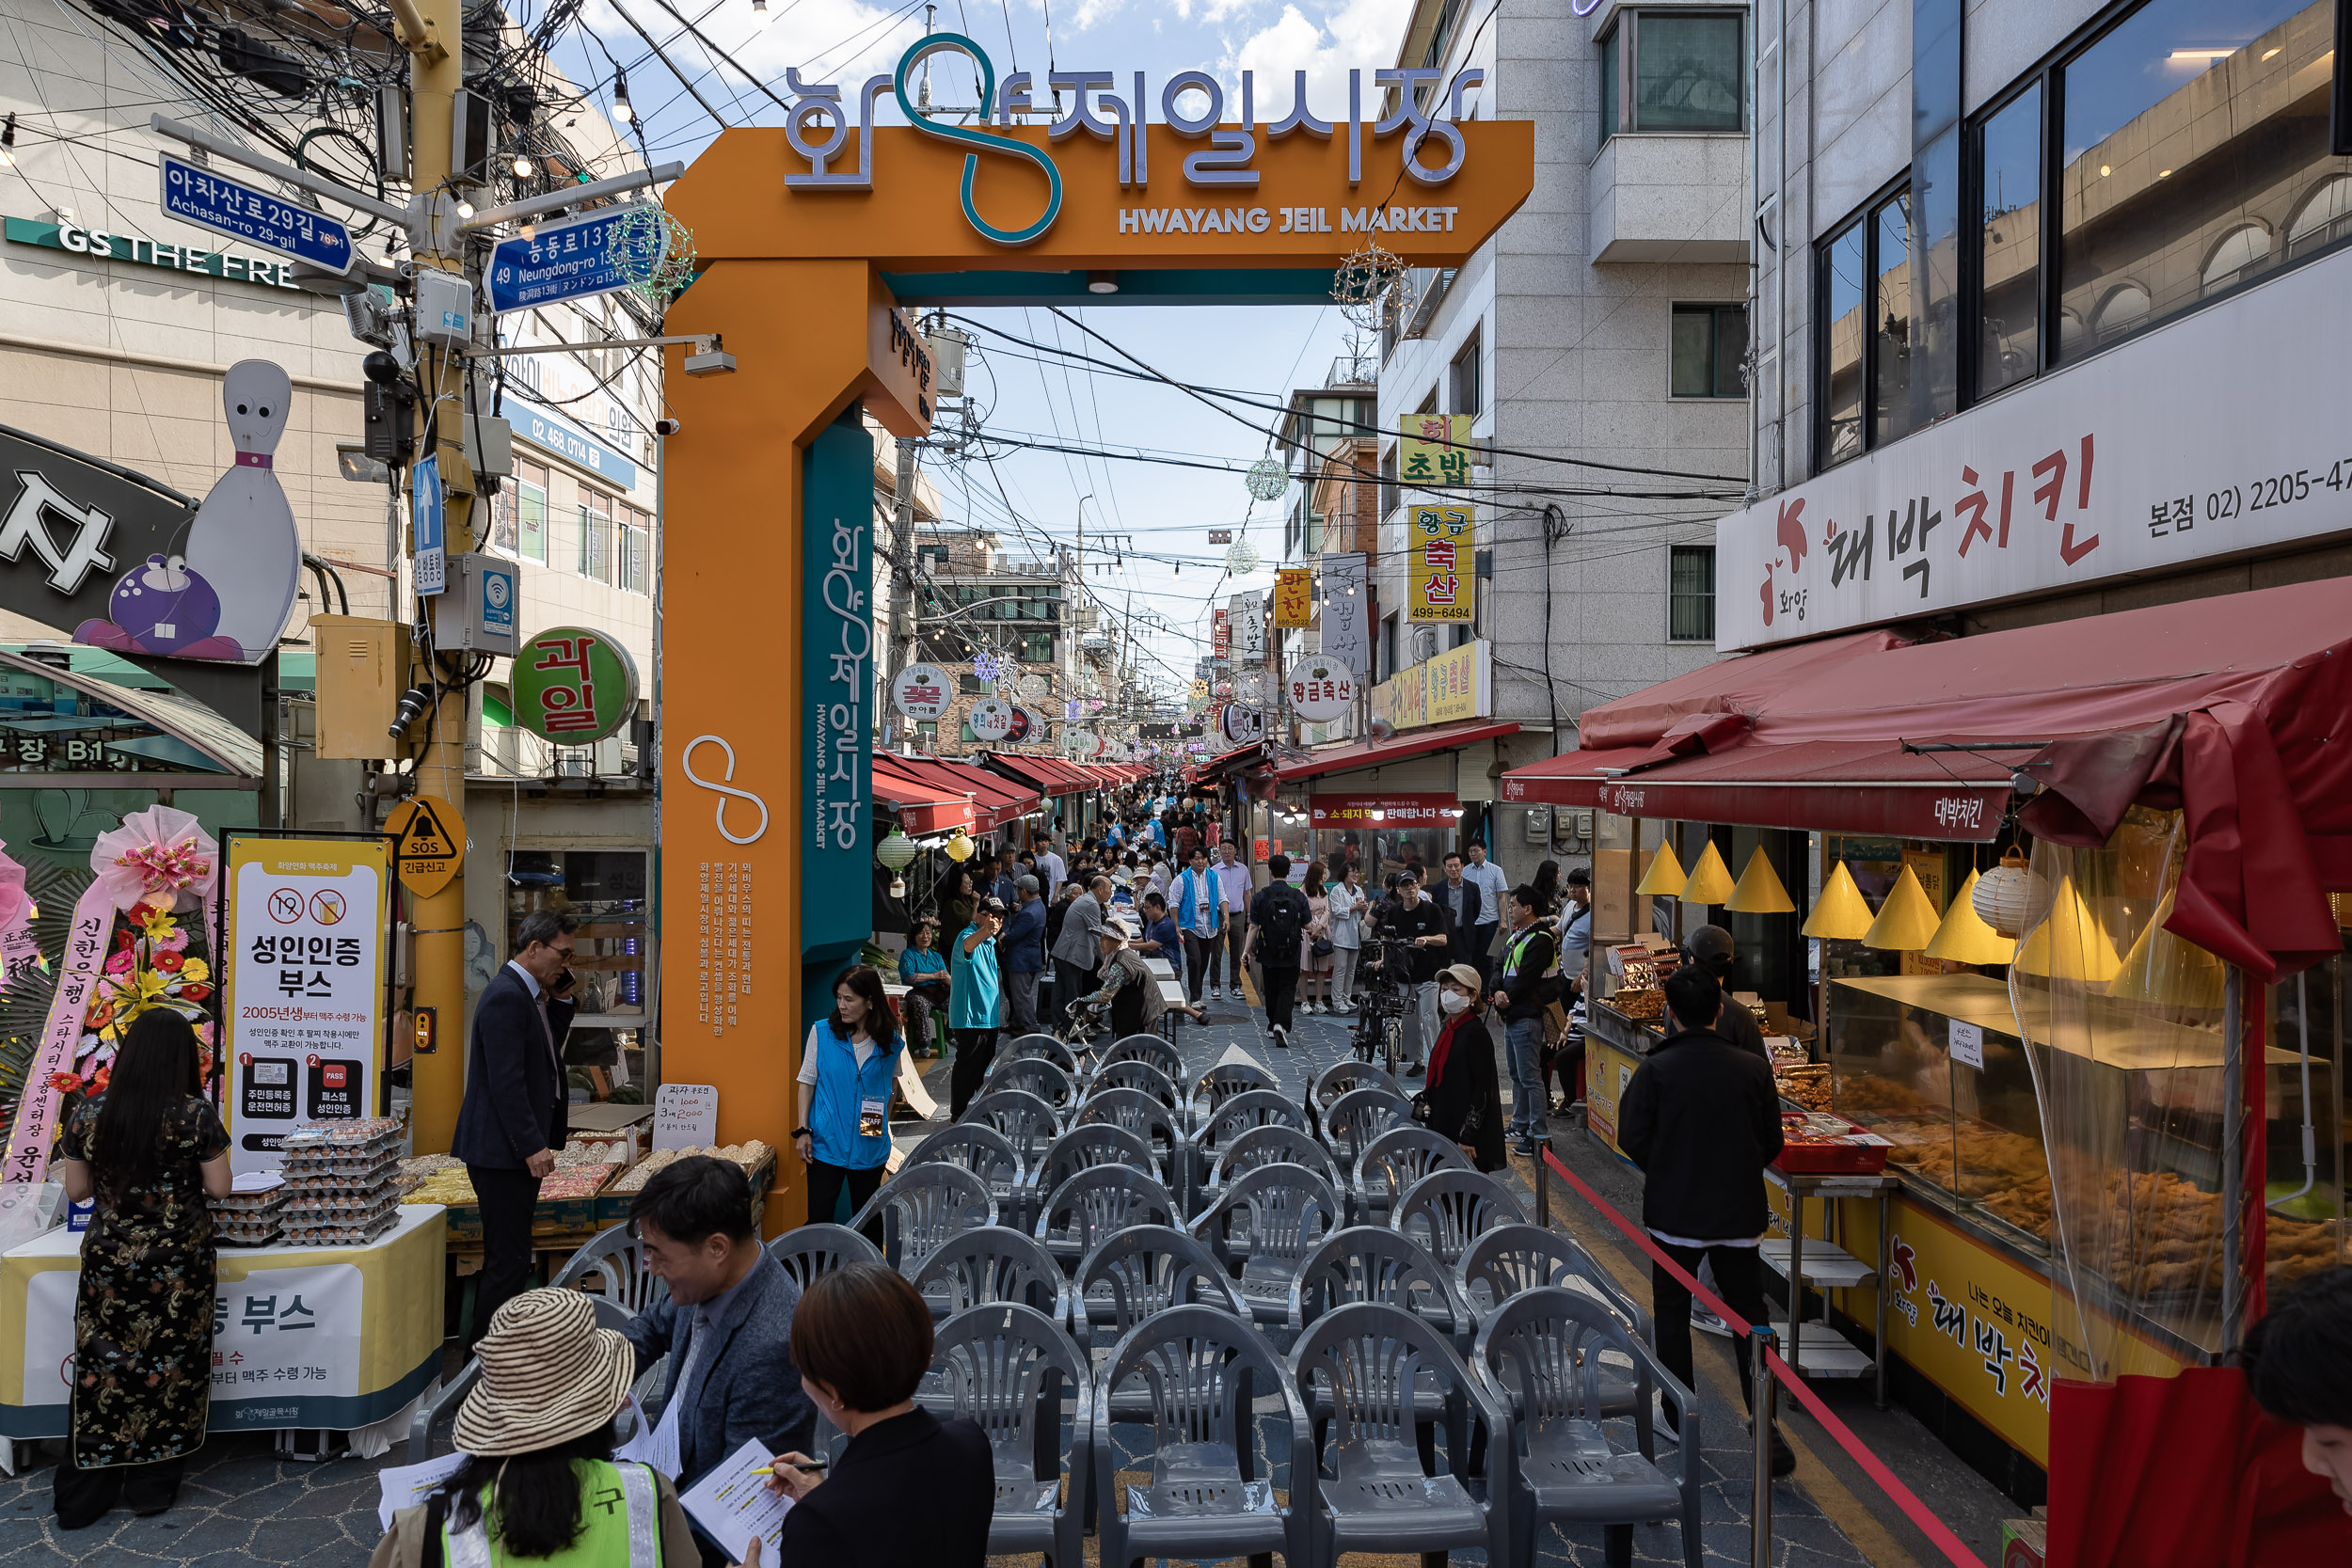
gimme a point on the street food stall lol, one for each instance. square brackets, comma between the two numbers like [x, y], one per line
[2072, 963]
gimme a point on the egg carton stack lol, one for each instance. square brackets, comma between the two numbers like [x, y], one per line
[251, 1219]
[343, 1181]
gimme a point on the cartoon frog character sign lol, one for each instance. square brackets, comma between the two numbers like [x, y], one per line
[226, 596]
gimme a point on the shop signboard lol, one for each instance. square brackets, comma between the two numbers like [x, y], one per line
[1453, 685]
[2119, 467]
[1320, 689]
[992, 718]
[137, 250]
[1241, 725]
[921, 691]
[1440, 583]
[1077, 744]
[836, 644]
[1293, 598]
[600, 252]
[1433, 449]
[305, 923]
[215, 201]
[1375, 810]
[1347, 610]
[553, 434]
[1221, 632]
[1249, 624]
[573, 685]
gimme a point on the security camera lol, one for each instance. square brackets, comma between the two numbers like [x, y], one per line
[710, 360]
[665, 427]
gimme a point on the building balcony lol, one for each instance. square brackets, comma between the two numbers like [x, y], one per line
[1671, 198]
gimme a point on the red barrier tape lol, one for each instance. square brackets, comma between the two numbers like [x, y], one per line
[1916, 1512]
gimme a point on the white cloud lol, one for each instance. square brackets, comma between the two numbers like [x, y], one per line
[1354, 35]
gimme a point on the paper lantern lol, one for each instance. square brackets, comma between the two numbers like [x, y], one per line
[1907, 921]
[1665, 876]
[896, 851]
[1842, 914]
[2081, 949]
[2163, 969]
[959, 847]
[1964, 937]
[1710, 879]
[2004, 895]
[1760, 891]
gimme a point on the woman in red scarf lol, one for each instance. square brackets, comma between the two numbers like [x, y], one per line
[1461, 1098]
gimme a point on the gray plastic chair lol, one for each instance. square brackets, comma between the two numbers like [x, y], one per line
[979, 1149]
[1543, 1354]
[1013, 1370]
[1447, 1210]
[610, 1264]
[1142, 1270]
[1265, 1146]
[1370, 1263]
[1027, 1121]
[1365, 1363]
[922, 1208]
[1097, 1204]
[1203, 1371]
[1134, 1073]
[1513, 1259]
[814, 1249]
[982, 1268]
[1040, 1077]
[1218, 1085]
[1355, 1118]
[1344, 1075]
[1393, 1162]
[1154, 1123]
[1147, 1048]
[1238, 1114]
[1264, 1225]
[443, 1406]
[1096, 1143]
[1044, 1047]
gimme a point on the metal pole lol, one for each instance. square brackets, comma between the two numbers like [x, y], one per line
[1760, 1543]
[1543, 1191]
[903, 560]
[2232, 1153]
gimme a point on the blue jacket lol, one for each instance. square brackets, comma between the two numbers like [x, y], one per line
[746, 1385]
[842, 1089]
[1184, 893]
[972, 989]
[1021, 946]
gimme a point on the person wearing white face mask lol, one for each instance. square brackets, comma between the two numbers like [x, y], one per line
[1462, 1098]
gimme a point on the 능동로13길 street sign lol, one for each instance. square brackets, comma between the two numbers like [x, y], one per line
[597, 253]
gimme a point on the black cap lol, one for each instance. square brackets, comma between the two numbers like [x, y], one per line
[1710, 946]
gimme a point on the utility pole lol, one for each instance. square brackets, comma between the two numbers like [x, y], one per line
[431, 31]
[903, 560]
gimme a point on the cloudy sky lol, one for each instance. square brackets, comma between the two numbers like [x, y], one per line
[1161, 512]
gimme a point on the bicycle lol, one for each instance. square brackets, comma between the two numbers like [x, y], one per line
[1388, 997]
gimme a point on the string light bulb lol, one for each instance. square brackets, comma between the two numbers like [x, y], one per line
[8, 141]
[465, 212]
[522, 167]
[621, 110]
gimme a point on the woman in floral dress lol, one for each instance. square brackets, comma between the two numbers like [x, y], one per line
[151, 1148]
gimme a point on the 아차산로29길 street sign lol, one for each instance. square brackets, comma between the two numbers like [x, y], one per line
[597, 253]
[209, 200]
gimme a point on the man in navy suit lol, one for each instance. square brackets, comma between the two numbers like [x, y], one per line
[513, 1119]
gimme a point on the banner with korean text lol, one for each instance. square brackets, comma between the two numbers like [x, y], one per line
[1293, 598]
[1440, 584]
[1433, 449]
[306, 925]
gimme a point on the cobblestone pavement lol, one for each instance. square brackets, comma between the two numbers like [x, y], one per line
[241, 1505]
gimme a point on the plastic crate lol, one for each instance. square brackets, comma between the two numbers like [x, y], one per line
[1855, 1152]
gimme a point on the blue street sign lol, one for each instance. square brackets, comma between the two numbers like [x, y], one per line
[572, 260]
[424, 491]
[226, 206]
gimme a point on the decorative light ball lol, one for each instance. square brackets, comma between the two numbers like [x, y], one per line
[2004, 895]
[896, 851]
[1242, 559]
[1254, 686]
[1265, 479]
[959, 847]
[1032, 687]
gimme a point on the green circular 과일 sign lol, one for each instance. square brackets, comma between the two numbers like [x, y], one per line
[573, 687]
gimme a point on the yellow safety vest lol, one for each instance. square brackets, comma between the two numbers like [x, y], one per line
[621, 1524]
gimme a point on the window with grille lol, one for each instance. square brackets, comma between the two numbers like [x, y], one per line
[1691, 594]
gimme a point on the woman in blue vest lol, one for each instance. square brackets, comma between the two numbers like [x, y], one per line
[846, 1073]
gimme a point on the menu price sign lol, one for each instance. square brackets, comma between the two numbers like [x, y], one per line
[1968, 1044]
[684, 1116]
[305, 1004]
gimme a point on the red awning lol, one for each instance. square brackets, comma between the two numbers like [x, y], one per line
[1044, 774]
[1379, 753]
[995, 800]
[2234, 708]
[923, 808]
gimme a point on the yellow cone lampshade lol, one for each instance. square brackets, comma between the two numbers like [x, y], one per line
[1842, 914]
[2083, 951]
[2163, 969]
[1907, 921]
[1964, 937]
[1665, 876]
[1759, 891]
[1711, 879]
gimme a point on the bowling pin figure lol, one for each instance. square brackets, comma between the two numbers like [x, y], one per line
[243, 540]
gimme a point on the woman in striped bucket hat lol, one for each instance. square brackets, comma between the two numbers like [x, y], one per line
[539, 1484]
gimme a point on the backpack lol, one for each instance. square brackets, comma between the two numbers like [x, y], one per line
[1286, 917]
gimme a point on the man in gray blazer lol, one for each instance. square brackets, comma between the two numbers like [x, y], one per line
[1078, 952]
[726, 1326]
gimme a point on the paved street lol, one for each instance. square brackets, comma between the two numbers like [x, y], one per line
[241, 1505]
